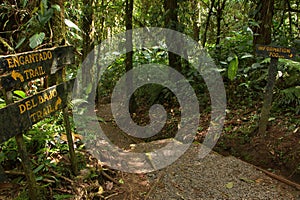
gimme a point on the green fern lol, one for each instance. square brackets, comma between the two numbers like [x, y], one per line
[290, 97]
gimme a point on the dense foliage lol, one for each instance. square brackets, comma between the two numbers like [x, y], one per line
[227, 29]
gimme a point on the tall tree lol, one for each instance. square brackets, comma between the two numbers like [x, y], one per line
[264, 15]
[194, 6]
[129, 54]
[210, 12]
[219, 8]
[171, 21]
[58, 24]
[87, 27]
[263, 35]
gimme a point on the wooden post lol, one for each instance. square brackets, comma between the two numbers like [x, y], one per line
[33, 191]
[60, 76]
[70, 140]
[274, 52]
[267, 105]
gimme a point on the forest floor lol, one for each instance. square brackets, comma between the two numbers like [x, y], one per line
[215, 176]
[276, 154]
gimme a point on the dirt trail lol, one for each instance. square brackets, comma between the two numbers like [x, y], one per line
[213, 177]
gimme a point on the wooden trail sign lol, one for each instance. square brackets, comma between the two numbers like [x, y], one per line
[18, 117]
[275, 52]
[24, 67]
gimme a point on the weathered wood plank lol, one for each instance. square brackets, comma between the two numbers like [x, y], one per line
[24, 67]
[20, 116]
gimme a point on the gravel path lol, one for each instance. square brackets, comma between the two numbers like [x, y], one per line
[191, 178]
[215, 177]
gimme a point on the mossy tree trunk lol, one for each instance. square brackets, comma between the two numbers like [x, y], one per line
[58, 24]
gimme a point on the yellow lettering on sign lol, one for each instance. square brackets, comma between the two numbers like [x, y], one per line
[41, 114]
[28, 105]
[22, 108]
[36, 72]
[10, 62]
[21, 60]
[18, 61]
[46, 97]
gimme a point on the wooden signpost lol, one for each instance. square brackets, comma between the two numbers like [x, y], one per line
[274, 52]
[24, 67]
[17, 117]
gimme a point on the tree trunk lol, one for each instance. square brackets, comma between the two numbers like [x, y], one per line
[196, 20]
[58, 24]
[87, 27]
[59, 33]
[220, 9]
[263, 33]
[210, 12]
[88, 40]
[267, 105]
[171, 8]
[129, 54]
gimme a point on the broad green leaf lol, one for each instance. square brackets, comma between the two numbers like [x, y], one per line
[70, 24]
[20, 93]
[21, 41]
[36, 40]
[233, 68]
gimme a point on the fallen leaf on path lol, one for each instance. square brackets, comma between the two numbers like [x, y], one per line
[109, 185]
[259, 180]
[246, 180]
[229, 185]
[100, 190]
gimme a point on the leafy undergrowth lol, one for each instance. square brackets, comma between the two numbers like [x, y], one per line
[279, 152]
[48, 150]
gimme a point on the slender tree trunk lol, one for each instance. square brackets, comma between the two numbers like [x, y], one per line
[267, 105]
[262, 35]
[195, 18]
[87, 27]
[129, 54]
[210, 12]
[220, 9]
[171, 8]
[88, 44]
